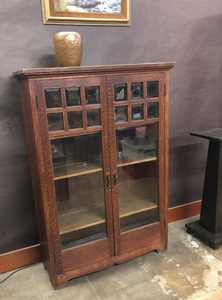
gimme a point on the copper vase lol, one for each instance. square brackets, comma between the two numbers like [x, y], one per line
[68, 48]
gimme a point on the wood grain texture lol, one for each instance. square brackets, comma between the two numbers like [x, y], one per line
[67, 260]
[27, 256]
[88, 70]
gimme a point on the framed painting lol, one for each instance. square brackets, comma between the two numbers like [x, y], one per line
[86, 12]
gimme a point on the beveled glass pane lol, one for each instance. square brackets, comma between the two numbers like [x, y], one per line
[152, 89]
[137, 112]
[75, 119]
[136, 90]
[93, 117]
[53, 98]
[55, 121]
[137, 172]
[120, 92]
[79, 186]
[153, 110]
[73, 96]
[92, 94]
[121, 114]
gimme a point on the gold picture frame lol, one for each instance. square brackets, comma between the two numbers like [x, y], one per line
[86, 12]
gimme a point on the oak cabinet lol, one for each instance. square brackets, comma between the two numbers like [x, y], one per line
[97, 139]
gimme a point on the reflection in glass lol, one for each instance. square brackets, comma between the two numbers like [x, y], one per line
[137, 90]
[137, 172]
[73, 97]
[152, 89]
[75, 119]
[137, 112]
[92, 95]
[55, 121]
[153, 110]
[93, 117]
[77, 164]
[137, 143]
[121, 114]
[76, 154]
[53, 98]
[138, 195]
[120, 92]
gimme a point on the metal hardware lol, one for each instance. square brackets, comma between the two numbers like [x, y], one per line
[115, 178]
[37, 102]
[107, 180]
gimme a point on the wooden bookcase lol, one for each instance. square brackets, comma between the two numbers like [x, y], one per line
[97, 139]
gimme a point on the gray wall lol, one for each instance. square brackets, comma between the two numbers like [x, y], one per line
[188, 32]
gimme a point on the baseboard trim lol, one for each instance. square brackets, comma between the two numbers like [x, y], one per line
[184, 211]
[20, 258]
[31, 255]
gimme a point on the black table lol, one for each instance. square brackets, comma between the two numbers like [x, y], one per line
[209, 226]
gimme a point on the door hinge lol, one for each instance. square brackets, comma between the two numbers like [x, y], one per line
[36, 102]
[164, 89]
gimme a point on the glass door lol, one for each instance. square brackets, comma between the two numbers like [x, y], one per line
[77, 130]
[136, 110]
[137, 172]
[78, 177]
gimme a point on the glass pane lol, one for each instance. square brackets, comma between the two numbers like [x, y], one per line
[120, 92]
[55, 121]
[75, 119]
[121, 114]
[92, 94]
[137, 112]
[73, 97]
[152, 89]
[93, 117]
[137, 90]
[137, 172]
[153, 110]
[53, 98]
[78, 175]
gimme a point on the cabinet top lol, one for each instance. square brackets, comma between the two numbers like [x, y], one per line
[87, 70]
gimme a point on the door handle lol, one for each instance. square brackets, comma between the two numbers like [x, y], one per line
[108, 181]
[115, 178]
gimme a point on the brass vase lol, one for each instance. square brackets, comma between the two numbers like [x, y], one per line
[68, 48]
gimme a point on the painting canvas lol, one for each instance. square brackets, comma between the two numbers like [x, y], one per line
[86, 12]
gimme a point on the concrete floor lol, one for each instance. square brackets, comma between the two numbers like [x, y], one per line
[188, 270]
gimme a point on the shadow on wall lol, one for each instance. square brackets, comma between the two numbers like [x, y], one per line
[47, 61]
[17, 214]
[187, 170]
[197, 105]
[199, 71]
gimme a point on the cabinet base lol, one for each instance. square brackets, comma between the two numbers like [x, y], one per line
[209, 238]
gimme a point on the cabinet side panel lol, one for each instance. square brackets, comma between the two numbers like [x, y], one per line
[163, 156]
[32, 140]
[166, 153]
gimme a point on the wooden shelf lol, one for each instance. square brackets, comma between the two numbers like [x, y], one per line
[80, 219]
[134, 206]
[76, 169]
[77, 220]
[132, 159]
